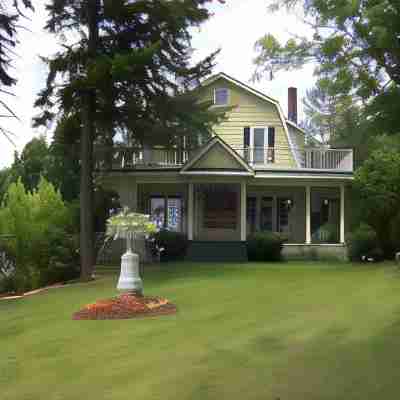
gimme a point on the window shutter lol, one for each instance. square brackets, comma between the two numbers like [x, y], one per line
[271, 137]
[246, 136]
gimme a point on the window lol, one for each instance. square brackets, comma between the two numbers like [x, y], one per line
[260, 144]
[251, 214]
[174, 214]
[157, 211]
[221, 97]
[267, 205]
[167, 213]
[284, 207]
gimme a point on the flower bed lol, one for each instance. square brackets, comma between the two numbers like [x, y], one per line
[125, 306]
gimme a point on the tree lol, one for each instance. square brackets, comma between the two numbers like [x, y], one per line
[320, 114]
[338, 121]
[10, 13]
[40, 223]
[5, 180]
[32, 163]
[129, 72]
[355, 45]
[63, 167]
[377, 182]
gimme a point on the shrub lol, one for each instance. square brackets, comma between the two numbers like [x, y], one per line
[174, 244]
[394, 233]
[265, 246]
[362, 244]
[41, 225]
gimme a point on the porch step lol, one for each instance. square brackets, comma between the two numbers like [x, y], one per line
[217, 251]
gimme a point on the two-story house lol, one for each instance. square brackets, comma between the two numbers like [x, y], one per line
[255, 174]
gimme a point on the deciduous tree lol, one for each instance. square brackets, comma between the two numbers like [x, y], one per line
[354, 43]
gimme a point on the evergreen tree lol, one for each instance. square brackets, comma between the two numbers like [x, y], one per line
[5, 180]
[10, 13]
[320, 114]
[130, 71]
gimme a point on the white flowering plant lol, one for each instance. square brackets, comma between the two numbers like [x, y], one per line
[126, 225]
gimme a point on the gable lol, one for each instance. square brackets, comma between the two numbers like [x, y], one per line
[217, 158]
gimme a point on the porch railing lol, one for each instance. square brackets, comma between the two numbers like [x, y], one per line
[117, 158]
[306, 158]
[125, 158]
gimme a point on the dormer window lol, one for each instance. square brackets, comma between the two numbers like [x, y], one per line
[221, 97]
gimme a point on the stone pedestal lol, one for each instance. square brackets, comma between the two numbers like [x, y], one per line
[129, 279]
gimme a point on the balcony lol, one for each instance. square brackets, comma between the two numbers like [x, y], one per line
[337, 160]
[318, 159]
[126, 158]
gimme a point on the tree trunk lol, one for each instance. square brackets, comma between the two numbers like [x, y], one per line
[86, 189]
[88, 134]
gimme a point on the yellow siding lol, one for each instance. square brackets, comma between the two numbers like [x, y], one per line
[249, 110]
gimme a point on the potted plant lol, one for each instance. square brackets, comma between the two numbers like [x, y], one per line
[130, 225]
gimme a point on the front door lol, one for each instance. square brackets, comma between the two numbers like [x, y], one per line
[218, 211]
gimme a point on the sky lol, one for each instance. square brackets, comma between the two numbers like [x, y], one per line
[234, 28]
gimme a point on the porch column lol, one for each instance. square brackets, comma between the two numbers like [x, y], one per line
[342, 208]
[243, 209]
[190, 210]
[308, 214]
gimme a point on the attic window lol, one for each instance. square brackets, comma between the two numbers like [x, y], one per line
[221, 97]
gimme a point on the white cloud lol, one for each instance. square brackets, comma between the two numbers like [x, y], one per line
[234, 28]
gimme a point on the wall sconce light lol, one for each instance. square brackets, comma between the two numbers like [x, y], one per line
[289, 203]
[326, 202]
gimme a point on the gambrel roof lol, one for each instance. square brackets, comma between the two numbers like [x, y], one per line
[261, 96]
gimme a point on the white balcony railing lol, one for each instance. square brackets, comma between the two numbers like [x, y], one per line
[117, 158]
[125, 158]
[305, 158]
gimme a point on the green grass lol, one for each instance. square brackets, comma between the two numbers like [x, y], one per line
[256, 331]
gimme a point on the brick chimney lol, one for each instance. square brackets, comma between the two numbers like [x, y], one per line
[292, 104]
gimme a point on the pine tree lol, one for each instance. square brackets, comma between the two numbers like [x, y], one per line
[10, 13]
[320, 113]
[326, 114]
[130, 71]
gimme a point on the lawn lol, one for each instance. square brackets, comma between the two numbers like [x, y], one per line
[257, 331]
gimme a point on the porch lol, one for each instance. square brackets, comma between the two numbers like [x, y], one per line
[219, 212]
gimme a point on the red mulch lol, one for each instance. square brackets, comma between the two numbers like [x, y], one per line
[125, 306]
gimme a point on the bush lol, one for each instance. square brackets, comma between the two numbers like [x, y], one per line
[394, 233]
[43, 245]
[363, 244]
[265, 246]
[174, 244]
